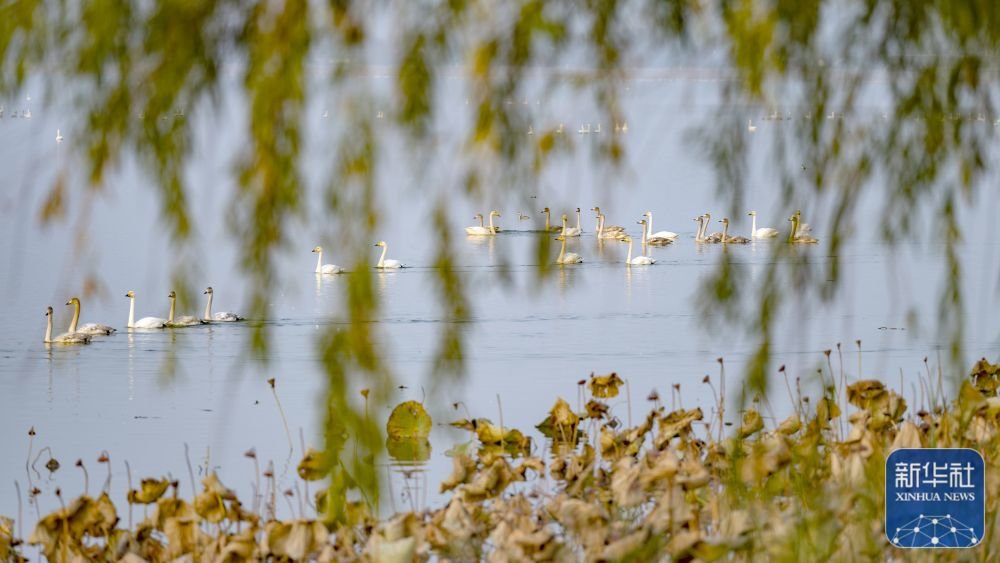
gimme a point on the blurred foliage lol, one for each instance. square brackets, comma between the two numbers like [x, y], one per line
[142, 73]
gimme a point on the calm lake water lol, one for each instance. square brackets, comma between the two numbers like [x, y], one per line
[529, 342]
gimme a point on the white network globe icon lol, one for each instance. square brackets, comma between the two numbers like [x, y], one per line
[934, 531]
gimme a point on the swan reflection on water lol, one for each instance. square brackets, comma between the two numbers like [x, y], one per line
[487, 242]
[407, 467]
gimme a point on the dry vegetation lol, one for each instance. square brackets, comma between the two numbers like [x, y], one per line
[679, 485]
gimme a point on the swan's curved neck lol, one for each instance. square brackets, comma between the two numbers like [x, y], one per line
[578, 225]
[644, 235]
[753, 226]
[131, 312]
[76, 317]
[319, 263]
[48, 328]
[649, 223]
[795, 228]
[565, 225]
[492, 228]
[600, 224]
[702, 227]
[562, 251]
[208, 308]
[725, 232]
[173, 304]
[547, 222]
[628, 259]
[381, 259]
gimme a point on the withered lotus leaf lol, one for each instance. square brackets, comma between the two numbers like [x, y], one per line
[604, 386]
[6, 537]
[295, 540]
[149, 491]
[676, 423]
[790, 425]
[752, 423]
[596, 409]
[561, 422]
[210, 504]
[462, 469]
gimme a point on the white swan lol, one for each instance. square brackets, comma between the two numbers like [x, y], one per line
[482, 230]
[382, 262]
[145, 322]
[763, 232]
[182, 321]
[731, 239]
[650, 235]
[641, 260]
[750, 126]
[548, 226]
[655, 241]
[568, 231]
[322, 268]
[567, 257]
[93, 329]
[65, 338]
[221, 317]
[59, 136]
[795, 237]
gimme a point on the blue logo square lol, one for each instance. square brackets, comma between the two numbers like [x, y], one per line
[935, 497]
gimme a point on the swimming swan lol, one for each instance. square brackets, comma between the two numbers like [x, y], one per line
[322, 268]
[763, 232]
[601, 220]
[569, 231]
[731, 239]
[604, 233]
[382, 262]
[657, 241]
[220, 317]
[795, 237]
[699, 236]
[65, 338]
[145, 322]
[640, 260]
[186, 320]
[650, 235]
[482, 230]
[803, 227]
[93, 329]
[549, 227]
[714, 237]
[567, 257]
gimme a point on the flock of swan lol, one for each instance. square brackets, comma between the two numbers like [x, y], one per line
[797, 235]
[565, 231]
[77, 334]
